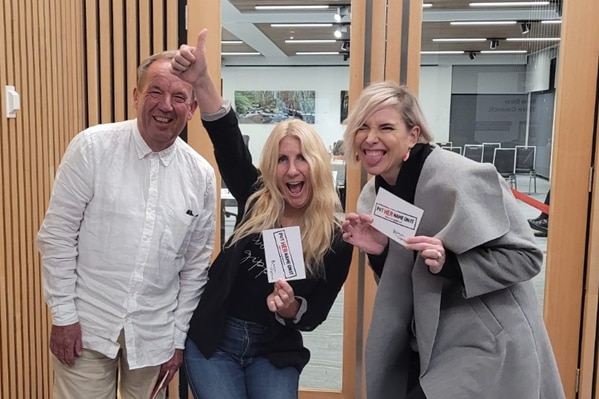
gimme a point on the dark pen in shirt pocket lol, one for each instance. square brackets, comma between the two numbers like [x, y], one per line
[190, 213]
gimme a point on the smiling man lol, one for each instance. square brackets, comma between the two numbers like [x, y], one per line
[126, 244]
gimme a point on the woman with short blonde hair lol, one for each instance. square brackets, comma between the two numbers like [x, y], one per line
[455, 313]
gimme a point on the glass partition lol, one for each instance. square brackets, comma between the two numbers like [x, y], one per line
[488, 76]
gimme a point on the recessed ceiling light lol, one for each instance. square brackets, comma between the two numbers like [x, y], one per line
[483, 22]
[503, 51]
[317, 53]
[459, 39]
[449, 52]
[240, 53]
[301, 25]
[297, 7]
[427, 5]
[292, 41]
[231, 42]
[552, 21]
[510, 4]
[533, 39]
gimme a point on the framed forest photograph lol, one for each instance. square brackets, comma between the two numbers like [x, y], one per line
[275, 106]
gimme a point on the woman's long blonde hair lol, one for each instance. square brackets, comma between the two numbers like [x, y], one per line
[265, 207]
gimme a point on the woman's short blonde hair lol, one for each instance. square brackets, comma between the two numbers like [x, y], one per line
[378, 96]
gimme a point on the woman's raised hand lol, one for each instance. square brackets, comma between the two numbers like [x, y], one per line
[358, 231]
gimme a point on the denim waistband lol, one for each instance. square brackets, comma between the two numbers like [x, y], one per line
[249, 326]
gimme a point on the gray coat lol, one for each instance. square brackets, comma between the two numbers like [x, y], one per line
[485, 339]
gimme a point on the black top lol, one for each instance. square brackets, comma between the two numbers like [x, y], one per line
[282, 343]
[251, 285]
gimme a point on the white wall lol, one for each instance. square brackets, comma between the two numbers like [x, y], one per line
[538, 70]
[435, 98]
[489, 79]
[439, 82]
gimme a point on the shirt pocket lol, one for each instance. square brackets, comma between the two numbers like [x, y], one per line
[177, 234]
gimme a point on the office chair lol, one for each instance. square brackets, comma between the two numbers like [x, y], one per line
[525, 163]
[489, 151]
[504, 160]
[474, 152]
[456, 149]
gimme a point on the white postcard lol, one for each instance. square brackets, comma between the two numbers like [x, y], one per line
[394, 217]
[284, 254]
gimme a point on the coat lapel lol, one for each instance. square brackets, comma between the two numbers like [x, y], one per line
[427, 303]
[389, 333]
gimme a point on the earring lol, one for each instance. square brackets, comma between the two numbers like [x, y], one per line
[406, 155]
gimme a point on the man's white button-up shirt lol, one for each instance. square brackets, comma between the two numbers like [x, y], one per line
[127, 240]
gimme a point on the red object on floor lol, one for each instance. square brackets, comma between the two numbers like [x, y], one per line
[531, 201]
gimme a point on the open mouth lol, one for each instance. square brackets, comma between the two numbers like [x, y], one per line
[372, 157]
[295, 188]
[161, 119]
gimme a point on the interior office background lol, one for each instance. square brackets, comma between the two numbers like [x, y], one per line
[512, 104]
[42, 54]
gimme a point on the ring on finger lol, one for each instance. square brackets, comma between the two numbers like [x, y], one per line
[439, 255]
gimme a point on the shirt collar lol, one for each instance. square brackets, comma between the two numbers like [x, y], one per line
[144, 150]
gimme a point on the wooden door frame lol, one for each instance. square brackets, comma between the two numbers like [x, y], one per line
[569, 240]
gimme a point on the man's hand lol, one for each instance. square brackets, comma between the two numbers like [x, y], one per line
[65, 343]
[171, 366]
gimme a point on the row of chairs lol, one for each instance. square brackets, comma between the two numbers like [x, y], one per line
[509, 162]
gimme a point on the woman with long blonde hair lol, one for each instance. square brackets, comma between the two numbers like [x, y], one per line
[244, 340]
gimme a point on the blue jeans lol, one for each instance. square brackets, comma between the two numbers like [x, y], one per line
[237, 370]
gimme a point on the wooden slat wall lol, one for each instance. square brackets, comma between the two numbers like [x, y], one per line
[119, 35]
[74, 65]
[41, 53]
